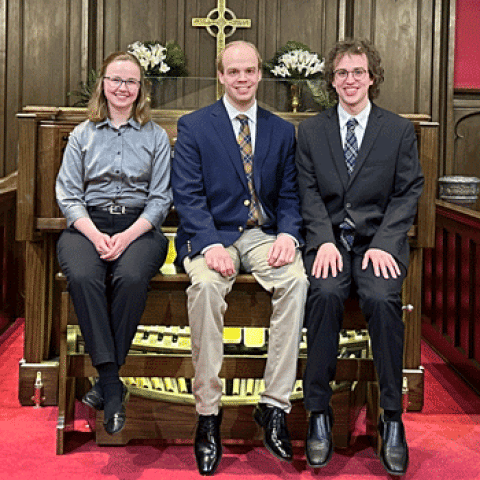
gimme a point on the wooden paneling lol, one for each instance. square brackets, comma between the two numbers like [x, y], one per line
[3, 57]
[47, 48]
[402, 33]
[13, 72]
[43, 55]
[273, 23]
[466, 153]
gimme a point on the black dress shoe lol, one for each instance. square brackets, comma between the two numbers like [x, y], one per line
[94, 397]
[275, 433]
[208, 446]
[394, 448]
[319, 443]
[115, 423]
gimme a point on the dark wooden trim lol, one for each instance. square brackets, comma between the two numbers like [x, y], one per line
[10, 286]
[475, 91]
[451, 297]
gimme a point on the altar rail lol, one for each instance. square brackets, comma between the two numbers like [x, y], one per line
[451, 298]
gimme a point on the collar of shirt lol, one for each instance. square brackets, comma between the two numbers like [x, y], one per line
[362, 119]
[251, 114]
[131, 122]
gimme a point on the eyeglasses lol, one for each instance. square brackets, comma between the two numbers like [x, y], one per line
[357, 73]
[116, 82]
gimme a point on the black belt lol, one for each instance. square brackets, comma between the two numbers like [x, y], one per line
[117, 210]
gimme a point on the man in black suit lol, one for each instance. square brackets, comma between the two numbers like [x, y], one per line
[360, 180]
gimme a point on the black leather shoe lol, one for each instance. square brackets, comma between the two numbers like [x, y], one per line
[275, 433]
[116, 422]
[208, 446]
[94, 397]
[319, 443]
[394, 449]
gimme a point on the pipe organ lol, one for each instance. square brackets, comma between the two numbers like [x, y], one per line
[158, 368]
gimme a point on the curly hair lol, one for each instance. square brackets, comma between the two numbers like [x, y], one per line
[98, 106]
[355, 46]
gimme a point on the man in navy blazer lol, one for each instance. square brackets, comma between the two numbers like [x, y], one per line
[233, 218]
[360, 180]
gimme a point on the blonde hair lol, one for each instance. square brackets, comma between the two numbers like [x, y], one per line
[98, 106]
[220, 66]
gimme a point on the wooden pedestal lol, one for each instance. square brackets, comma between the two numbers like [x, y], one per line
[28, 374]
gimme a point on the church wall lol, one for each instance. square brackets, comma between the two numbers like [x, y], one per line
[41, 61]
[46, 47]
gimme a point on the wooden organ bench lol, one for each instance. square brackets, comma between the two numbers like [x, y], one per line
[165, 408]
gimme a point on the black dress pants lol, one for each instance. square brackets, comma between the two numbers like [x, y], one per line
[380, 302]
[108, 317]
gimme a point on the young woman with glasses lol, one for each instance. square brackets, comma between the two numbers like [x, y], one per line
[113, 188]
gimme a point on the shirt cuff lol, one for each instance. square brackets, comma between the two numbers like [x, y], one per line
[297, 243]
[208, 247]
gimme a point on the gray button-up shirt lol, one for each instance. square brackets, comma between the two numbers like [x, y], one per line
[104, 165]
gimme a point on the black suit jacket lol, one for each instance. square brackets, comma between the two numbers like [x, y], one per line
[381, 194]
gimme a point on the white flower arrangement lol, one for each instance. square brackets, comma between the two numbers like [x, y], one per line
[298, 65]
[152, 57]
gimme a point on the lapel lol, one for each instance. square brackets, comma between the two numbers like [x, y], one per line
[335, 141]
[262, 145]
[373, 127]
[223, 127]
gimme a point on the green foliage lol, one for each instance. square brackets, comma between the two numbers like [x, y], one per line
[85, 91]
[176, 60]
[320, 93]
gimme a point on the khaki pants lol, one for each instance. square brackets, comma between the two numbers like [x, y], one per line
[207, 306]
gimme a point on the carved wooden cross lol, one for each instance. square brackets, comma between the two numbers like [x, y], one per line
[217, 18]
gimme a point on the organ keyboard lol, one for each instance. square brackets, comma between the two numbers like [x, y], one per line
[237, 341]
[158, 339]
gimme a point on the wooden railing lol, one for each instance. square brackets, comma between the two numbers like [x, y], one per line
[10, 297]
[451, 296]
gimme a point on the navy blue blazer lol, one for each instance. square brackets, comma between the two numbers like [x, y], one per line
[380, 196]
[209, 184]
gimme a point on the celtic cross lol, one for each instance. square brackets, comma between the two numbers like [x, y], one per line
[217, 18]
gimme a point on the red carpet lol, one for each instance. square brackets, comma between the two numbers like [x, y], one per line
[444, 440]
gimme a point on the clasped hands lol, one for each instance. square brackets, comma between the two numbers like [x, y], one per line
[329, 259]
[281, 253]
[110, 248]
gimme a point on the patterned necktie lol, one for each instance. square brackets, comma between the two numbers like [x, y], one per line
[351, 146]
[350, 152]
[244, 140]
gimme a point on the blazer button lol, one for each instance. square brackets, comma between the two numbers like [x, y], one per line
[246, 203]
[240, 229]
[348, 205]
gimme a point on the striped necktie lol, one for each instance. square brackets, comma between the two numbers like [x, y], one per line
[351, 146]
[244, 140]
[350, 152]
